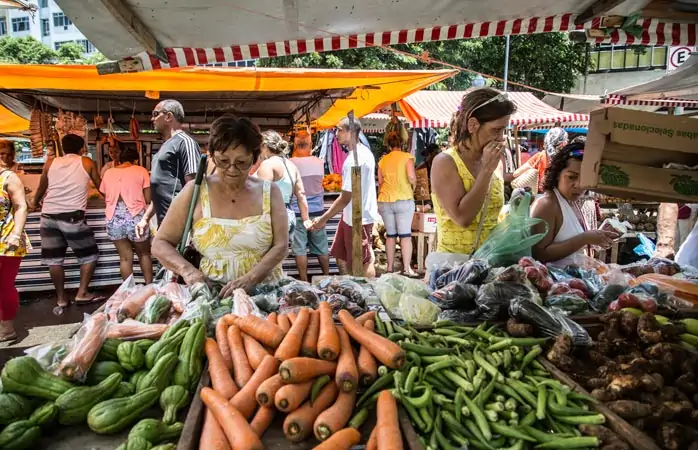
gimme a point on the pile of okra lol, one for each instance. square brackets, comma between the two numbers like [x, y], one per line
[476, 387]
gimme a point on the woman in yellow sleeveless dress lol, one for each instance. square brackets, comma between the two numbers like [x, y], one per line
[466, 177]
[240, 223]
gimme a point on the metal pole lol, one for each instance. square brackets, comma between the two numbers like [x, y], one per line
[506, 64]
[586, 67]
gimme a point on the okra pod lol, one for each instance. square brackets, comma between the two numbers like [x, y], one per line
[443, 364]
[470, 368]
[433, 359]
[574, 442]
[421, 401]
[427, 419]
[409, 381]
[459, 403]
[501, 345]
[389, 327]
[396, 337]
[495, 406]
[529, 419]
[511, 432]
[510, 404]
[596, 419]
[380, 326]
[381, 383]
[530, 356]
[454, 424]
[523, 391]
[458, 381]
[542, 402]
[425, 350]
[442, 441]
[479, 417]
[483, 396]
[414, 415]
[492, 416]
[489, 368]
[507, 357]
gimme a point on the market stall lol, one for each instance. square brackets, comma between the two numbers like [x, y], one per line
[276, 99]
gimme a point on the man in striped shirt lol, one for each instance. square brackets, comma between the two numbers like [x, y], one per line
[173, 165]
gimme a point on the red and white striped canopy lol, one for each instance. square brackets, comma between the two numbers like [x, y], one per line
[666, 102]
[435, 109]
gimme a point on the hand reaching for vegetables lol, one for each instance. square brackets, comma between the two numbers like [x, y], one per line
[194, 276]
[603, 239]
[245, 282]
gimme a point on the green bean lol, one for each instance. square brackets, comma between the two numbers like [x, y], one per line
[389, 328]
[434, 359]
[479, 417]
[458, 341]
[318, 384]
[409, 381]
[538, 366]
[540, 373]
[542, 400]
[425, 350]
[446, 332]
[530, 356]
[397, 337]
[501, 345]
[559, 410]
[574, 442]
[380, 326]
[398, 329]
[444, 324]
[511, 432]
[489, 368]
[560, 397]
[381, 383]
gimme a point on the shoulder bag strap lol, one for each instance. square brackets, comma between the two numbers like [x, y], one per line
[293, 183]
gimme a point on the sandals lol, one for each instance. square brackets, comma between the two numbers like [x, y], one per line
[94, 299]
[8, 337]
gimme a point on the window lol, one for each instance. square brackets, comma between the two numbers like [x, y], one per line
[60, 20]
[45, 27]
[20, 24]
[86, 45]
[610, 58]
[3, 26]
[43, 3]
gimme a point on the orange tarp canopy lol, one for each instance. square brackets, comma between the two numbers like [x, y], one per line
[12, 123]
[372, 88]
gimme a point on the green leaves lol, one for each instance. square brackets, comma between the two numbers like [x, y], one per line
[27, 50]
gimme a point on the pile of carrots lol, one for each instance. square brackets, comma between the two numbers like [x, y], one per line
[301, 364]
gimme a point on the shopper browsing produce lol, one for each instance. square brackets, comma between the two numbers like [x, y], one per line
[240, 223]
[567, 233]
[466, 178]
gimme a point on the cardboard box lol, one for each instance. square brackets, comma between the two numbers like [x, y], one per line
[626, 152]
[424, 222]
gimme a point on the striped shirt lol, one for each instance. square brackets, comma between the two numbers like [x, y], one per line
[312, 170]
[178, 157]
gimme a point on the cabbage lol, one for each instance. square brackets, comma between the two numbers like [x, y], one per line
[418, 310]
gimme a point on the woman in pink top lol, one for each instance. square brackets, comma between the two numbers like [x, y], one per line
[126, 188]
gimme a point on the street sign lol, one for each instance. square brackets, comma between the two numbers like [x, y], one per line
[678, 56]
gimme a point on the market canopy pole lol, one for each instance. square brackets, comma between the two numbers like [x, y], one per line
[357, 260]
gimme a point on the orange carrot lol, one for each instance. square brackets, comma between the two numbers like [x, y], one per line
[254, 350]
[242, 371]
[341, 440]
[267, 334]
[271, 318]
[328, 340]
[372, 443]
[291, 345]
[289, 397]
[240, 434]
[135, 302]
[222, 340]
[336, 416]
[298, 425]
[212, 436]
[292, 317]
[283, 322]
[245, 401]
[366, 363]
[267, 390]
[309, 344]
[385, 351]
[347, 375]
[262, 420]
[221, 380]
[78, 361]
[298, 370]
[363, 318]
[131, 330]
[389, 437]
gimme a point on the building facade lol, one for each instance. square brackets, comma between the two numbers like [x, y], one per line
[47, 25]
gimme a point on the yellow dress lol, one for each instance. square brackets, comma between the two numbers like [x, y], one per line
[231, 247]
[452, 238]
[7, 221]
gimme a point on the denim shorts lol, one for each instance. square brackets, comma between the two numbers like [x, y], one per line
[397, 218]
[302, 240]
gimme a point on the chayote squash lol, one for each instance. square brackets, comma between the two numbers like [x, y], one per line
[75, 403]
[191, 354]
[136, 377]
[24, 376]
[152, 430]
[125, 389]
[44, 415]
[172, 399]
[145, 344]
[136, 443]
[14, 407]
[163, 347]
[19, 435]
[160, 375]
[108, 350]
[174, 329]
[130, 355]
[101, 370]
[112, 416]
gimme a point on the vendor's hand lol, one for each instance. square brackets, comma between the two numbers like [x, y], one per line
[492, 155]
[193, 276]
[600, 238]
[245, 282]
[142, 228]
[12, 241]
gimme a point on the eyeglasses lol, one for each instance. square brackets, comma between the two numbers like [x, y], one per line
[502, 97]
[240, 166]
[156, 113]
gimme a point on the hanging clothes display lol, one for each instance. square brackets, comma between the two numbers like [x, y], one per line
[421, 138]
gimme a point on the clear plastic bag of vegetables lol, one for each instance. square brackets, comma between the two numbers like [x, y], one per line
[547, 322]
[417, 310]
[459, 316]
[243, 305]
[512, 238]
[268, 302]
[472, 272]
[455, 295]
[178, 294]
[390, 287]
[339, 302]
[83, 348]
[49, 355]
[299, 293]
[343, 286]
[493, 299]
[156, 309]
[568, 304]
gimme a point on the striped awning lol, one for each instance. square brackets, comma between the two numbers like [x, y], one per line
[17, 4]
[666, 102]
[434, 109]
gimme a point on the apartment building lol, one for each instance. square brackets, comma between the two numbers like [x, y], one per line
[47, 24]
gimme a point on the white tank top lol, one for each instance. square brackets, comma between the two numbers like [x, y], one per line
[68, 185]
[570, 227]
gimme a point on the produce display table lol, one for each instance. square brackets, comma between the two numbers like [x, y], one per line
[423, 238]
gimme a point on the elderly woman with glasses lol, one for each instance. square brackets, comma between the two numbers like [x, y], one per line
[240, 224]
[467, 179]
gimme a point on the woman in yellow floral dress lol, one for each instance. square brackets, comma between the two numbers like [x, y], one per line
[13, 243]
[240, 224]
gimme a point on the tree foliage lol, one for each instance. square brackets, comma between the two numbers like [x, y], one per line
[27, 50]
[548, 61]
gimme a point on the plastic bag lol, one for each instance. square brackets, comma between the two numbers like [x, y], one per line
[548, 322]
[614, 225]
[568, 304]
[133, 330]
[51, 354]
[178, 294]
[664, 266]
[156, 309]
[472, 272]
[443, 261]
[646, 247]
[459, 316]
[606, 296]
[339, 302]
[299, 293]
[83, 348]
[512, 239]
[390, 287]
[591, 279]
[272, 287]
[417, 310]
[346, 287]
[243, 305]
[111, 307]
[514, 273]
[493, 299]
[268, 303]
[455, 295]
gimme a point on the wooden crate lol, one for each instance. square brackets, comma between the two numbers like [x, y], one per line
[626, 151]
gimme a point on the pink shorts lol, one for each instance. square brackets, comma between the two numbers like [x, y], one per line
[341, 247]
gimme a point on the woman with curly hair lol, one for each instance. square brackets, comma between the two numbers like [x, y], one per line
[567, 232]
